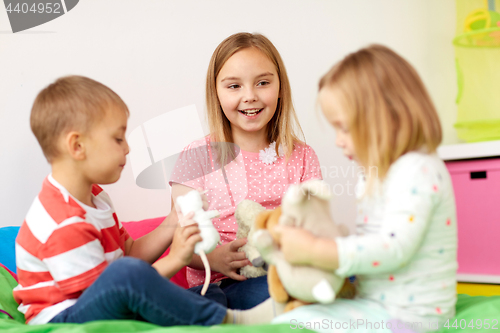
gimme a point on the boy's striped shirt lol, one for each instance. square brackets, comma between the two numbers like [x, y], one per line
[62, 247]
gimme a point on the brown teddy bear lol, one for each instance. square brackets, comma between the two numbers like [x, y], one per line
[305, 206]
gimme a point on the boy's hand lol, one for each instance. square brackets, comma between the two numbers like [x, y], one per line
[296, 244]
[185, 239]
[227, 260]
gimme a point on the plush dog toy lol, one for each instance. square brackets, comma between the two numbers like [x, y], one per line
[305, 206]
[192, 202]
[246, 213]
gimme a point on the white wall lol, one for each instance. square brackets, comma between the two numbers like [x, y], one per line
[154, 54]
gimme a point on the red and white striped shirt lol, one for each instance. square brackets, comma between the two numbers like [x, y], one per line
[61, 249]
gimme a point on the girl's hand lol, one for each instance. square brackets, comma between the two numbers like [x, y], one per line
[227, 260]
[296, 244]
[300, 247]
[185, 239]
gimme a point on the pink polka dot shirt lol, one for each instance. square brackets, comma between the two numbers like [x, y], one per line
[245, 177]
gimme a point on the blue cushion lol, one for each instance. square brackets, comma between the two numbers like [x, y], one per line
[7, 247]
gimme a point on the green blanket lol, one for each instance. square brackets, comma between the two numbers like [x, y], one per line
[478, 309]
[7, 325]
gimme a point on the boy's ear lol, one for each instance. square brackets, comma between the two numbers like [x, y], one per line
[74, 145]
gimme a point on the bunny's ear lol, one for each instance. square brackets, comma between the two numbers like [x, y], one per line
[293, 195]
[316, 188]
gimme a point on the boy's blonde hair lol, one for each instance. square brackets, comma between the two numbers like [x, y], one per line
[70, 103]
[389, 111]
[284, 125]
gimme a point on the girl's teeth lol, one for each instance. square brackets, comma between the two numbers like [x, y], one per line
[252, 112]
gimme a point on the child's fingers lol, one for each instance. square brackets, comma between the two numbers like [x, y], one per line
[192, 240]
[238, 256]
[235, 276]
[191, 230]
[239, 263]
[236, 244]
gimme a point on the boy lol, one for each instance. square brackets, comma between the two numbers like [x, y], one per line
[70, 248]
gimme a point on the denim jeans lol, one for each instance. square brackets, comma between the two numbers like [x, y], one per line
[130, 288]
[241, 295]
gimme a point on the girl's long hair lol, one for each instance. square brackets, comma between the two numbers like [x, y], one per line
[388, 108]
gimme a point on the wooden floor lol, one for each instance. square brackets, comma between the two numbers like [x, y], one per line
[478, 289]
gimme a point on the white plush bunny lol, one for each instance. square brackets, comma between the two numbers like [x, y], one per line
[192, 202]
[306, 206]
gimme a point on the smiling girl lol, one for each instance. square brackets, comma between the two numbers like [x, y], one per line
[249, 106]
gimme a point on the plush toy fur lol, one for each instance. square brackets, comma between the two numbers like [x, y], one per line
[246, 213]
[305, 206]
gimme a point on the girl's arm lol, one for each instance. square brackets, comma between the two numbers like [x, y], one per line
[152, 245]
[408, 207]
[416, 209]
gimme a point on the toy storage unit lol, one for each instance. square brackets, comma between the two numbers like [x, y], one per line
[475, 173]
[477, 60]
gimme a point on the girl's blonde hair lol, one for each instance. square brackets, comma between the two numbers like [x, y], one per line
[284, 125]
[389, 111]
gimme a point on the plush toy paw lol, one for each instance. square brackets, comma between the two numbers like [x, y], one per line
[294, 304]
[323, 292]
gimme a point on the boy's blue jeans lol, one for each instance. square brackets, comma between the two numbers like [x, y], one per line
[130, 288]
[238, 295]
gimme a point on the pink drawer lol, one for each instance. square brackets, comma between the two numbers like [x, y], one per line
[477, 191]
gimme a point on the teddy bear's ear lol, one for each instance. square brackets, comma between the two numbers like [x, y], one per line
[316, 188]
[261, 220]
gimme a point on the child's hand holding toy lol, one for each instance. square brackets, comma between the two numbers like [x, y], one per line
[227, 260]
[193, 202]
[185, 239]
[301, 247]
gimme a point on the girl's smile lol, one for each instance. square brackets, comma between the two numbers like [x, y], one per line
[251, 112]
[248, 89]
